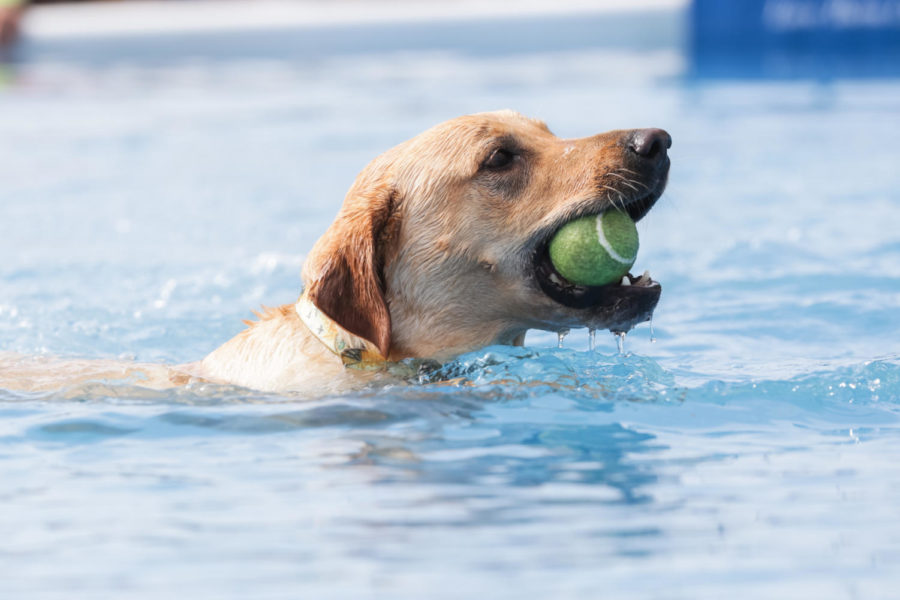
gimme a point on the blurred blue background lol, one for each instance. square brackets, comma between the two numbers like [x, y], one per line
[822, 39]
[165, 167]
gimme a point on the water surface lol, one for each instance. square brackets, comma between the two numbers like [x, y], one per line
[749, 452]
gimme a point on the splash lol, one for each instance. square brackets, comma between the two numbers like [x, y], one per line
[620, 341]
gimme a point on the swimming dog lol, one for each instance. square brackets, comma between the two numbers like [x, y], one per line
[440, 248]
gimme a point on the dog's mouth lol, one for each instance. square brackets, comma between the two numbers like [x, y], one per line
[617, 306]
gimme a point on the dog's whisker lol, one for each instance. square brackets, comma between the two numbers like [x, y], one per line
[634, 180]
[622, 201]
[611, 189]
[633, 184]
[619, 198]
[640, 183]
[616, 174]
[625, 180]
[609, 196]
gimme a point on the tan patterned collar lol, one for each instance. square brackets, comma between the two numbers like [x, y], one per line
[353, 350]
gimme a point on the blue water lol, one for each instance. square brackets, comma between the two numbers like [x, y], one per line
[749, 452]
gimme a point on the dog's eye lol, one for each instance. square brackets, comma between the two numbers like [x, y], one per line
[499, 159]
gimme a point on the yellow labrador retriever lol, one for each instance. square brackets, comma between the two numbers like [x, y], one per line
[440, 248]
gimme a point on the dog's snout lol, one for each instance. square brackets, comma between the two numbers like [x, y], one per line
[650, 144]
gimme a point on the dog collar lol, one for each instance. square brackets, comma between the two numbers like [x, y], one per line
[353, 350]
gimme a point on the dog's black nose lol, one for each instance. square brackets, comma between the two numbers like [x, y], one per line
[650, 144]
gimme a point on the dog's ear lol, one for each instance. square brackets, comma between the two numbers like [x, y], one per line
[344, 271]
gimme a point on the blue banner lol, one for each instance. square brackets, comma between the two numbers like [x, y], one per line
[795, 38]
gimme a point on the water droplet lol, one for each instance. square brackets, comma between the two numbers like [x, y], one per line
[652, 336]
[620, 341]
[560, 336]
[592, 339]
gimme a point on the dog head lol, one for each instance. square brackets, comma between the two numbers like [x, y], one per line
[440, 246]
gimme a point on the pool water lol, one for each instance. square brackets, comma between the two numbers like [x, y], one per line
[748, 449]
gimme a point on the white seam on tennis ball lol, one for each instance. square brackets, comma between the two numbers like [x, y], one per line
[601, 237]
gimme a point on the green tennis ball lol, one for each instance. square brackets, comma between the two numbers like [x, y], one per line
[595, 250]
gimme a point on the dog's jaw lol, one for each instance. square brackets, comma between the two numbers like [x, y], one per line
[440, 326]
